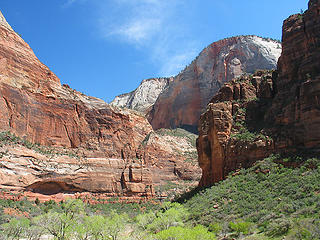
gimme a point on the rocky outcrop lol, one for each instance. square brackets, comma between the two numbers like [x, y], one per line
[143, 98]
[165, 159]
[111, 142]
[186, 97]
[295, 109]
[280, 113]
[231, 131]
[51, 174]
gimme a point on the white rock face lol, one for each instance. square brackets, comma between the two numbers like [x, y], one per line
[270, 49]
[3, 21]
[179, 101]
[230, 58]
[144, 96]
[186, 97]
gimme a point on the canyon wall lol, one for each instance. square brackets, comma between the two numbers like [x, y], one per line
[295, 109]
[180, 101]
[254, 116]
[142, 98]
[115, 155]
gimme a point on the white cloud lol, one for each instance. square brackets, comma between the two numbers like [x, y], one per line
[68, 3]
[138, 30]
[143, 19]
[174, 64]
[152, 25]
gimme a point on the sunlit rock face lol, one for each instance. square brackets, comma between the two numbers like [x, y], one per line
[282, 110]
[296, 105]
[144, 96]
[186, 97]
[230, 130]
[114, 154]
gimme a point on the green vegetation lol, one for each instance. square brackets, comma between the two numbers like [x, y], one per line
[7, 138]
[240, 129]
[73, 219]
[179, 132]
[190, 156]
[180, 233]
[266, 201]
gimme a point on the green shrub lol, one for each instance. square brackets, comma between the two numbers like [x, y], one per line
[215, 228]
[260, 194]
[278, 227]
[172, 214]
[240, 227]
[15, 229]
[181, 233]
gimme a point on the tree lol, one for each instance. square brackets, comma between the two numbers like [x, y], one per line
[143, 220]
[61, 224]
[34, 233]
[172, 214]
[114, 225]
[16, 228]
[181, 233]
[91, 227]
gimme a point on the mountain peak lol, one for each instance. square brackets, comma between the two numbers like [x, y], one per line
[3, 22]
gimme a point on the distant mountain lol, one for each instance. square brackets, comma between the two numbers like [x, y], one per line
[181, 102]
[144, 96]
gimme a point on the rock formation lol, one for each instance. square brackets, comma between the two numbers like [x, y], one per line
[179, 101]
[295, 109]
[143, 98]
[111, 142]
[231, 131]
[186, 97]
[254, 116]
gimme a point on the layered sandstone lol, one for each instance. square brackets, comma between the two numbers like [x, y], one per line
[231, 133]
[113, 155]
[254, 116]
[295, 109]
[186, 97]
[142, 98]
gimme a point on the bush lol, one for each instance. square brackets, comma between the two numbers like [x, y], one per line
[16, 228]
[260, 195]
[240, 227]
[180, 233]
[172, 214]
[215, 228]
[278, 227]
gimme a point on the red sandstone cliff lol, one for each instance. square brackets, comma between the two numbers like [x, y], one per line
[295, 109]
[231, 133]
[186, 97]
[252, 117]
[116, 158]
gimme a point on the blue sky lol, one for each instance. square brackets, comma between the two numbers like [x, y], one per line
[107, 47]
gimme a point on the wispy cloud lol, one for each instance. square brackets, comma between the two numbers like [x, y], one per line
[68, 3]
[152, 25]
[174, 64]
[138, 31]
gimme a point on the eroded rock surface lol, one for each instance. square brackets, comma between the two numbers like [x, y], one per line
[295, 109]
[254, 116]
[143, 98]
[113, 154]
[231, 131]
[186, 97]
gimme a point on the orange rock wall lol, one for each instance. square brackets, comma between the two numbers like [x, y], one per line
[115, 157]
[284, 107]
